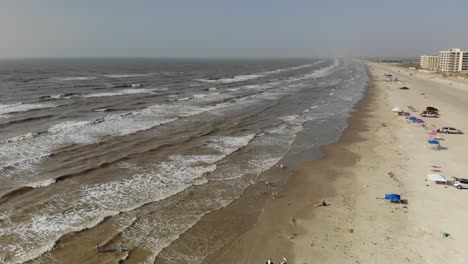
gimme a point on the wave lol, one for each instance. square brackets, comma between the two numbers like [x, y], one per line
[317, 73]
[59, 96]
[20, 107]
[232, 79]
[242, 78]
[75, 78]
[13, 193]
[22, 137]
[90, 205]
[25, 152]
[23, 120]
[236, 177]
[133, 85]
[121, 92]
[127, 75]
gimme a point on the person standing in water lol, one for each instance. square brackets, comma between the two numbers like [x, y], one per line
[269, 261]
[98, 248]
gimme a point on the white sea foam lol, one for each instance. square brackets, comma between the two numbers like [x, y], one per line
[233, 79]
[89, 205]
[21, 137]
[199, 96]
[127, 75]
[184, 98]
[317, 73]
[59, 96]
[121, 92]
[26, 152]
[41, 183]
[75, 78]
[68, 126]
[20, 107]
[241, 78]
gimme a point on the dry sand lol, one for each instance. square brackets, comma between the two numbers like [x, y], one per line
[379, 153]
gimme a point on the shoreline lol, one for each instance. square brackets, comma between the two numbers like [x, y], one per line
[277, 217]
[378, 153]
[218, 232]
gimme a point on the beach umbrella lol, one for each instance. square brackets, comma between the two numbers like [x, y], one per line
[419, 121]
[433, 142]
[412, 118]
[432, 133]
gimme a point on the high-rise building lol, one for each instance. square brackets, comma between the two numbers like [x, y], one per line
[430, 62]
[453, 60]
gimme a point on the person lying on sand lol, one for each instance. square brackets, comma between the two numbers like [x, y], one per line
[320, 203]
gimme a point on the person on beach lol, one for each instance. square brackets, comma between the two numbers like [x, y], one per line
[281, 166]
[322, 203]
[269, 261]
[122, 250]
[98, 248]
[284, 260]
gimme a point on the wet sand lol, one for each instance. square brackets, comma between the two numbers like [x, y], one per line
[286, 220]
[378, 153]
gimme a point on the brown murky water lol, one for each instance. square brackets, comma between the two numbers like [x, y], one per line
[147, 155]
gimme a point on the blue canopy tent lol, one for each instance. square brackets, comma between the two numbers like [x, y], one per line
[393, 197]
[433, 142]
[412, 118]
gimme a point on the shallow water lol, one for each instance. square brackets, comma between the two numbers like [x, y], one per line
[136, 152]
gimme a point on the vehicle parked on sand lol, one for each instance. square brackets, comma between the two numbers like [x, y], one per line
[431, 108]
[449, 130]
[430, 114]
[460, 183]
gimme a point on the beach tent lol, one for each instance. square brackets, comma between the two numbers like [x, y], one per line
[436, 177]
[432, 133]
[407, 114]
[393, 197]
[435, 144]
[396, 110]
[419, 121]
[412, 118]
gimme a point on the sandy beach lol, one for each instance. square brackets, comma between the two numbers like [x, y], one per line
[380, 152]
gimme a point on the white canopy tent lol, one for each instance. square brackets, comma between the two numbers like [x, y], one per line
[396, 110]
[436, 178]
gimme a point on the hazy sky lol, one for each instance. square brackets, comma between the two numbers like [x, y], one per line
[236, 28]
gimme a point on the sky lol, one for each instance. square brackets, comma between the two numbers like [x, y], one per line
[230, 29]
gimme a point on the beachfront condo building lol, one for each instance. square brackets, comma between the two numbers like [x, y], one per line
[453, 60]
[430, 62]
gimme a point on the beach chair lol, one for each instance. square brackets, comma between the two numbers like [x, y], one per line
[437, 147]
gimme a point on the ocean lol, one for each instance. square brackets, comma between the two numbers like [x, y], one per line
[135, 153]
